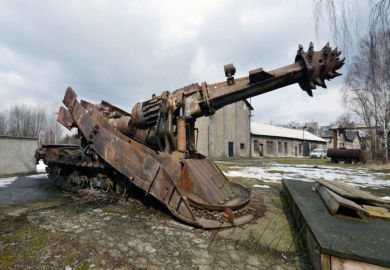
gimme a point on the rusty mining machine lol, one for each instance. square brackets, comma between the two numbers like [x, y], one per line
[153, 147]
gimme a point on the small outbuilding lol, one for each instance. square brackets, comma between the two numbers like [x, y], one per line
[273, 141]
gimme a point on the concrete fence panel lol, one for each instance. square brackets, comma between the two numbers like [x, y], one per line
[17, 154]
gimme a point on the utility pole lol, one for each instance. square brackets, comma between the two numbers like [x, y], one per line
[303, 135]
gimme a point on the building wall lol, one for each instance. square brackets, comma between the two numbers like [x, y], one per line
[282, 147]
[17, 155]
[342, 143]
[229, 124]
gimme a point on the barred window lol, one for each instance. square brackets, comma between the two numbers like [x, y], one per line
[256, 145]
[270, 147]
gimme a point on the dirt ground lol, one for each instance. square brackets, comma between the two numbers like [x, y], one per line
[91, 231]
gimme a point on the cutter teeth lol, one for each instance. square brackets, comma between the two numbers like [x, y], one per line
[320, 82]
[312, 85]
[326, 45]
[336, 74]
[311, 46]
[341, 63]
[300, 49]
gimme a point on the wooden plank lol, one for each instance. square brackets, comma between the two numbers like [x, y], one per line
[313, 250]
[345, 264]
[377, 212]
[352, 193]
[325, 262]
[340, 206]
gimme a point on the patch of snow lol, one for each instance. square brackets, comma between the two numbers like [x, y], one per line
[260, 186]
[387, 198]
[41, 167]
[40, 175]
[357, 177]
[6, 181]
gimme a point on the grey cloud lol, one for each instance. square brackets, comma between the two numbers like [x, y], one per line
[123, 52]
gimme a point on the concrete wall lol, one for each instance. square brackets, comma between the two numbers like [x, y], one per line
[17, 154]
[229, 124]
[288, 147]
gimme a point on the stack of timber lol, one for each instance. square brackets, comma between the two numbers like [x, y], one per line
[341, 227]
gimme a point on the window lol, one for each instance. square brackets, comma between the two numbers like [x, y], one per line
[242, 146]
[279, 147]
[285, 148]
[270, 147]
[256, 145]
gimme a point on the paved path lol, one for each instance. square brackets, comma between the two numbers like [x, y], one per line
[21, 189]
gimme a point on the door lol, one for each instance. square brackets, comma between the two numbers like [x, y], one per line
[261, 149]
[230, 148]
[296, 151]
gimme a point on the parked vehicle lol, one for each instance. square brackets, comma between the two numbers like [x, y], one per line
[318, 153]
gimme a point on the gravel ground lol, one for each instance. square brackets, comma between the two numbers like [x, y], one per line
[90, 231]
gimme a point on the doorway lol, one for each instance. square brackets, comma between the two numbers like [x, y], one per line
[230, 149]
[261, 149]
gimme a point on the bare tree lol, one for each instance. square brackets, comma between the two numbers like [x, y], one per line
[3, 123]
[367, 90]
[54, 130]
[26, 121]
[349, 21]
[344, 120]
[31, 121]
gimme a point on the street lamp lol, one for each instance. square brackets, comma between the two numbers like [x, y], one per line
[303, 135]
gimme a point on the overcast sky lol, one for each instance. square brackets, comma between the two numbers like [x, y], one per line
[124, 51]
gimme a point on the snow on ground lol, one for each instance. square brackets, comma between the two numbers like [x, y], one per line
[387, 198]
[273, 172]
[6, 181]
[41, 167]
[260, 186]
[40, 175]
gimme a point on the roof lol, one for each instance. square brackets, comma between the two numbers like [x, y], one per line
[325, 132]
[281, 132]
[248, 104]
[351, 134]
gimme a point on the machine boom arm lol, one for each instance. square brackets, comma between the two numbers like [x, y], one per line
[310, 69]
[167, 122]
